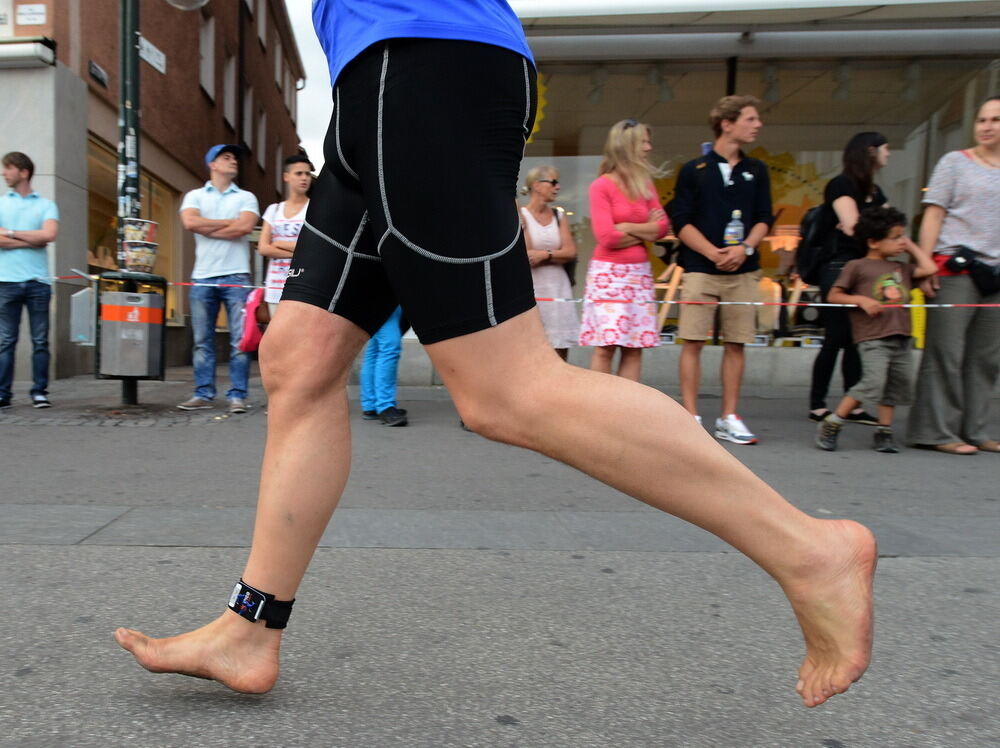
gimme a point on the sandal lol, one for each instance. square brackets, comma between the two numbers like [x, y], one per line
[952, 448]
[990, 445]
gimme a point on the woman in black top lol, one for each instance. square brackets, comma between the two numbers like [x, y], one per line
[845, 196]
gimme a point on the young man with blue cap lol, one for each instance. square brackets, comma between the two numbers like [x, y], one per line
[220, 215]
[425, 94]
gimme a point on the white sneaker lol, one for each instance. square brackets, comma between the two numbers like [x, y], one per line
[732, 429]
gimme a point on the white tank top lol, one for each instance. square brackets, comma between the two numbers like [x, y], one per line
[543, 238]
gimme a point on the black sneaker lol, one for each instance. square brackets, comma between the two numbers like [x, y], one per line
[393, 416]
[369, 415]
[40, 401]
[884, 442]
[827, 433]
[4, 403]
[865, 419]
[817, 417]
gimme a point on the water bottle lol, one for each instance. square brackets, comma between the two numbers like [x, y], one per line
[733, 234]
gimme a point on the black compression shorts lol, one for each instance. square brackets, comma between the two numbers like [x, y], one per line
[415, 204]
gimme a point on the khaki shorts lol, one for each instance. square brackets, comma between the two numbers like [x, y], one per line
[886, 371]
[738, 323]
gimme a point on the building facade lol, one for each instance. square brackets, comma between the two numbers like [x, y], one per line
[225, 73]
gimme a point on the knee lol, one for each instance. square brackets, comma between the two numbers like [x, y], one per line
[287, 370]
[493, 421]
[511, 412]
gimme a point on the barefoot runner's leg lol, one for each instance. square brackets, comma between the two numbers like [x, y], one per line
[306, 463]
[509, 386]
[464, 283]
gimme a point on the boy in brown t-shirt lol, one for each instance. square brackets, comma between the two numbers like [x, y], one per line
[881, 327]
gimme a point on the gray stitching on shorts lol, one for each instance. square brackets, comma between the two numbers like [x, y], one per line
[489, 295]
[527, 96]
[385, 198]
[338, 245]
[336, 135]
[455, 260]
[381, 169]
[347, 264]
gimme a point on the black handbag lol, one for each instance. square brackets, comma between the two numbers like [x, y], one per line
[986, 277]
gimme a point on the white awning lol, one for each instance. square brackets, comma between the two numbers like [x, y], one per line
[582, 30]
[797, 10]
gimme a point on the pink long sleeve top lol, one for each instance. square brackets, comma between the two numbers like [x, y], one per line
[608, 206]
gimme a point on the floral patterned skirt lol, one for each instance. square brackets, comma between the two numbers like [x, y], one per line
[618, 306]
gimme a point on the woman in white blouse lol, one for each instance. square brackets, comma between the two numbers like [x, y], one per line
[550, 246]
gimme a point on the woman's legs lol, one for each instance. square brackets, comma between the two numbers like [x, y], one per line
[979, 371]
[603, 358]
[938, 405]
[630, 364]
[306, 463]
[641, 442]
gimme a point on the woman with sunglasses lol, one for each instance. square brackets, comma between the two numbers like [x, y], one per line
[550, 246]
[618, 309]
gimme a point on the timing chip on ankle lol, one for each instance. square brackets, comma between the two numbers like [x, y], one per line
[254, 605]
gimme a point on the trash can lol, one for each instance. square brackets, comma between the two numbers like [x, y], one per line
[131, 316]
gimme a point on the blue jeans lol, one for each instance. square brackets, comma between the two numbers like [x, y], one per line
[35, 296]
[205, 303]
[381, 362]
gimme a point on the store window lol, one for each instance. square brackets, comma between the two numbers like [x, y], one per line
[229, 91]
[160, 203]
[206, 51]
[278, 64]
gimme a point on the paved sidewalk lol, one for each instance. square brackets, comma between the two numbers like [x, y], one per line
[472, 594]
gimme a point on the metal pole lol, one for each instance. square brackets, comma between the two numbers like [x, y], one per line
[129, 204]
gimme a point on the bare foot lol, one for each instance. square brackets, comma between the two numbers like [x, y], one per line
[832, 599]
[233, 651]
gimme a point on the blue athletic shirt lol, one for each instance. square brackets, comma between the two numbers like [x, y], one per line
[347, 27]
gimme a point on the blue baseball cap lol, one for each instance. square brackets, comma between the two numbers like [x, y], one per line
[215, 150]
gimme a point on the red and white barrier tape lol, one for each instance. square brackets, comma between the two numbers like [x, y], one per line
[625, 301]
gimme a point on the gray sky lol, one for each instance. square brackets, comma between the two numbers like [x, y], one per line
[314, 100]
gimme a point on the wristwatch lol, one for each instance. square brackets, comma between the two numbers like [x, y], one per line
[748, 249]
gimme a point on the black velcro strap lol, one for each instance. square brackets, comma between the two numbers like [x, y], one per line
[254, 605]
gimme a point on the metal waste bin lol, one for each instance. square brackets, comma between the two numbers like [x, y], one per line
[131, 326]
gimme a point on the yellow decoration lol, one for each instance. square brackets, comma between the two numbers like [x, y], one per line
[918, 318]
[540, 113]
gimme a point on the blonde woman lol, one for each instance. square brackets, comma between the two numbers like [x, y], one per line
[618, 309]
[550, 246]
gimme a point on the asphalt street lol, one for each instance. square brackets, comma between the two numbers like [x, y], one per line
[472, 594]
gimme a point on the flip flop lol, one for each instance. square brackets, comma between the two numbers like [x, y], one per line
[990, 445]
[952, 448]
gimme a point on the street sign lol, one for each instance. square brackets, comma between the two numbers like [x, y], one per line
[152, 55]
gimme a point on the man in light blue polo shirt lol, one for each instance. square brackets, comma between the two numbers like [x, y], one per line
[220, 215]
[28, 222]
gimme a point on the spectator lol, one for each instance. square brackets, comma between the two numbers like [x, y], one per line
[958, 371]
[845, 196]
[221, 215]
[624, 213]
[720, 189]
[880, 326]
[378, 373]
[28, 222]
[550, 246]
[282, 224]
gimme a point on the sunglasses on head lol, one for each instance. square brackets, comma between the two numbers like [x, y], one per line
[630, 123]
[553, 182]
